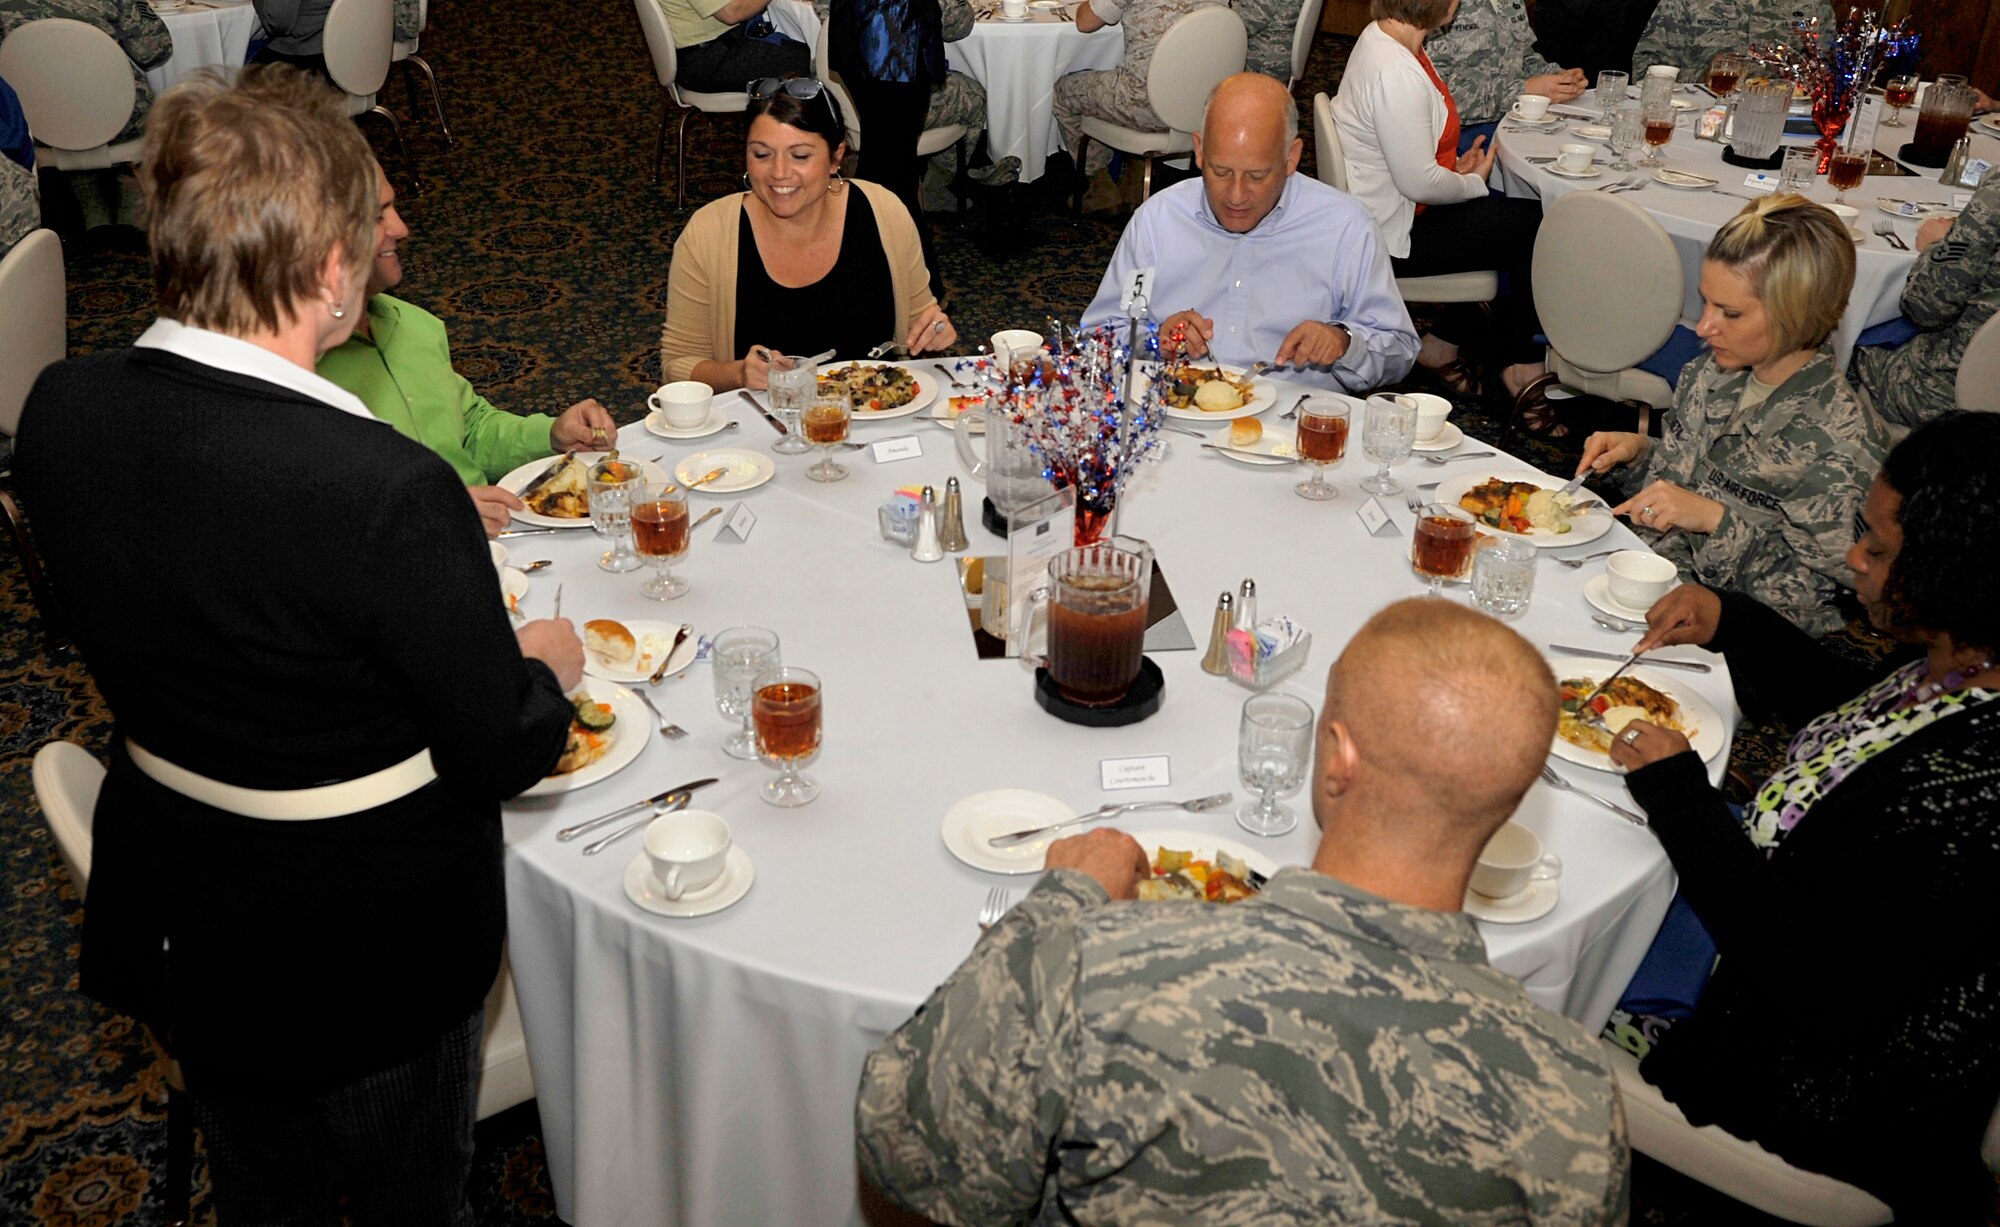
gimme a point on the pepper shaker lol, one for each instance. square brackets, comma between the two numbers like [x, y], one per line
[927, 548]
[1954, 166]
[951, 532]
[1217, 660]
[1246, 606]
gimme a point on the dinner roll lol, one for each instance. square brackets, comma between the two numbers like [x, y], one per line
[1245, 431]
[610, 640]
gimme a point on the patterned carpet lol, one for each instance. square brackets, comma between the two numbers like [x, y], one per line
[541, 242]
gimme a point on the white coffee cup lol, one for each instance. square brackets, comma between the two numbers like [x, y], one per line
[1668, 71]
[1011, 345]
[498, 553]
[1510, 861]
[688, 851]
[1637, 578]
[1431, 413]
[1846, 214]
[1014, 10]
[1531, 106]
[683, 404]
[1574, 159]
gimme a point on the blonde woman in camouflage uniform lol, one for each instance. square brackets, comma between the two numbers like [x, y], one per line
[1487, 55]
[1690, 33]
[1764, 461]
[1953, 288]
[1117, 94]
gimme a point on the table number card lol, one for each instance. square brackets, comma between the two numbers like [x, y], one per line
[737, 524]
[1146, 771]
[1375, 519]
[903, 447]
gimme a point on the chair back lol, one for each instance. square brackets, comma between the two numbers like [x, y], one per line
[659, 42]
[1302, 37]
[1607, 281]
[74, 81]
[360, 35]
[67, 781]
[1195, 54]
[33, 319]
[1979, 371]
[849, 117]
[1329, 156]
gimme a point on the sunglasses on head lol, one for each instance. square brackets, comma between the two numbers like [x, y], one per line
[802, 88]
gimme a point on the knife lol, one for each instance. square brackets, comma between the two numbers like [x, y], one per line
[1237, 451]
[763, 412]
[680, 637]
[1584, 711]
[1693, 666]
[1197, 806]
[568, 833]
[679, 802]
[542, 478]
[529, 532]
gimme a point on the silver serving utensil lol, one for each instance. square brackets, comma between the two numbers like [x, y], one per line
[1442, 458]
[1196, 806]
[678, 803]
[680, 637]
[1237, 451]
[571, 832]
[1555, 781]
[1692, 666]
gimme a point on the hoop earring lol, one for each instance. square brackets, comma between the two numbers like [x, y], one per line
[836, 185]
[746, 180]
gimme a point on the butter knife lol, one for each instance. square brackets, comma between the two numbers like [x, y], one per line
[541, 479]
[763, 412]
[568, 833]
[529, 532]
[1199, 805]
[1237, 451]
[1692, 666]
[680, 637]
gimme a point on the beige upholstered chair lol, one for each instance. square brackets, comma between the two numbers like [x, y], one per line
[1979, 372]
[1195, 54]
[76, 90]
[34, 328]
[1302, 38]
[359, 39]
[931, 142]
[660, 43]
[405, 53]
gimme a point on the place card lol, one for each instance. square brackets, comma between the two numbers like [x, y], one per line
[902, 447]
[1145, 771]
[1036, 534]
[1376, 520]
[1761, 181]
[737, 524]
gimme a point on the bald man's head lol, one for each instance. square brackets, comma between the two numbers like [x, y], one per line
[1247, 147]
[1445, 718]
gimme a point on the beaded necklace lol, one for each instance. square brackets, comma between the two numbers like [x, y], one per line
[1919, 692]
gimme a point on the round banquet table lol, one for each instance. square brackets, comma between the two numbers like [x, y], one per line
[207, 34]
[1017, 62]
[703, 1071]
[1691, 218]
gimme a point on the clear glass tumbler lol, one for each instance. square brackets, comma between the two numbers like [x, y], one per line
[1273, 750]
[1503, 576]
[1388, 435]
[737, 656]
[793, 383]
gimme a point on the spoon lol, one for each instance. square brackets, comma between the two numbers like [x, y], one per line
[706, 516]
[537, 565]
[1436, 458]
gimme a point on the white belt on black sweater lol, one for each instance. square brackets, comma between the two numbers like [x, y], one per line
[289, 804]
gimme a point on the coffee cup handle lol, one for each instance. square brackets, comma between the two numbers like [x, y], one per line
[671, 885]
[1548, 869]
[653, 403]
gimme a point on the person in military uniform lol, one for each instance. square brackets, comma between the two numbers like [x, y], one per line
[1118, 94]
[1954, 287]
[1690, 33]
[1270, 25]
[1487, 55]
[135, 25]
[1764, 461]
[1334, 1049]
[20, 204]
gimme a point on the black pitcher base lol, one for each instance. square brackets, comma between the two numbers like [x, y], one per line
[1139, 702]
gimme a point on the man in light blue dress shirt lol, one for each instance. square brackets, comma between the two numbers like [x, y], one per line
[1256, 263]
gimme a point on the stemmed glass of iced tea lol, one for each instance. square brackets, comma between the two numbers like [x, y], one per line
[660, 533]
[825, 424]
[785, 710]
[1441, 548]
[1900, 92]
[1322, 443]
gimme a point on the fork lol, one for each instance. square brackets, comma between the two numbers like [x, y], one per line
[1437, 458]
[1560, 784]
[1621, 185]
[1574, 563]
[672, 732]
[998, 900]
[1887, 229]
[1293, 412]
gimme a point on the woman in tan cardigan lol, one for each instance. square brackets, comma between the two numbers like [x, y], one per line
[799, 263]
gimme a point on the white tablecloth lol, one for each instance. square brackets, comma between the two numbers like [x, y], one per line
[1018, 63]
[216, 33]
[703, 1071]
[1693, 217]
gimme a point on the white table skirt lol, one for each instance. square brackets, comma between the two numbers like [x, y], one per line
[218, 35]
[703, 1071]
[1018, 63]
[1692, 218]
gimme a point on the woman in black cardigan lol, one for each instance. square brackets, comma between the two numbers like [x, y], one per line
[1853, 1022]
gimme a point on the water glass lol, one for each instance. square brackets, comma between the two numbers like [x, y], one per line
[1273, 750]
[1388, 435]
[1628, 133]
[737, 656]
[1801, 163]
[1503, 576]
[785, 711]
[612, 485]
[793, 382]
[1611, 92]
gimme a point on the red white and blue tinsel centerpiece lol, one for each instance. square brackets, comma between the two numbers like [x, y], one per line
[1835, 66]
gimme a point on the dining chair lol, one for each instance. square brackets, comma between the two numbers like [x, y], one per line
[930, 142]
[33, 333]
[1192, 58]
[359, 39]
[404, 52]
[660, 44]
[1608, 292]
[76, 89]
[1302, 38]
[1979, 371]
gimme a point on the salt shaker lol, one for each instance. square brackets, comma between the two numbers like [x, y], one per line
[1954, 166]
[1217, 660]
[927, 548]
[951, 532]
[1246, 606]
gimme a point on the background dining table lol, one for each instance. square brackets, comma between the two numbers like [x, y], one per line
[206, 34]
[1691, 217]
[703, 1071]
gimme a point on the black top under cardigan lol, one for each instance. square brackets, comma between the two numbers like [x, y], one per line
[275, 594]
[1853, 1023]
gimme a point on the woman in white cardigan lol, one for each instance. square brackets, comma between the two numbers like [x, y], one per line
[1399, 132]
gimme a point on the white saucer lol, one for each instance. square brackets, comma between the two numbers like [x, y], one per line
[513, 586]
[1013, 21]
[725, 891]
[1514, 115]
[1598, 592]
[983, 815]
[1531, 904]
[1560, 173]
[1446, 438]
[746, 470]
[716, 420]
[1591, 132]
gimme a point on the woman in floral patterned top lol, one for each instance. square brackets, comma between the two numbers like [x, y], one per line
[1857, 890]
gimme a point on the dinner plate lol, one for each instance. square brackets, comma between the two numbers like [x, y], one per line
[1447, 437]
[642, 888]
[1204, 846]
[746, 470]
[513, 586]
[1914, 209]
[517, 480]
[1531, 904]
[1683, 180]
[1584, 528]
[1262, 395]
[642, 669]
[1597, 590]
[1560, 173]
[975, 819]
[927, 390]
[1989, 124]
[1271, 448]
[628, 740]
[1695, 710]
[717, 419]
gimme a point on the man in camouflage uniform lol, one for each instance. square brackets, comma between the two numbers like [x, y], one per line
[1954, 287]
[1690, 33]
[1270, 25]
[20, 204]
[1487, 56]
[133, 23]
[1333, 1050]
[1117, 94]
